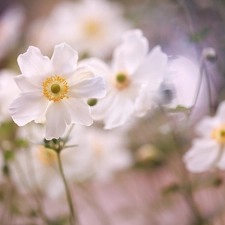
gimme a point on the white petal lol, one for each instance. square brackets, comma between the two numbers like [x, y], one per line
[144, 102]
[206, 125]
[81, 73]
[79, 111]
[34, 64]
[202, 156]
[129, 55]
[64, 60]
[99, 110]
[89, 88]
[25, 84]
[186, 76]
[100, 68]
[119, 111]
[57, 116]
[153, 68]
[27, 107]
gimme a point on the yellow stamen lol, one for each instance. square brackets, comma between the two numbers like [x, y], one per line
[219, 134]
[55, 88]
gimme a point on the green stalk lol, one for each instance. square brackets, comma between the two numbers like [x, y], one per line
[73, 218]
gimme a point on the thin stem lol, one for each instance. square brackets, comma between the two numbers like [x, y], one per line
[68, 195]
[68, 133]
[198, 85]
[209, 91]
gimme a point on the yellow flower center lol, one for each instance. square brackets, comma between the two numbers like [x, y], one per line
[92, 28]
[121, 81]
[219, 134]
[46, 156]
[55, 88]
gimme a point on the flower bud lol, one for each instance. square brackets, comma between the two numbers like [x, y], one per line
[209, 54]
[92, 102]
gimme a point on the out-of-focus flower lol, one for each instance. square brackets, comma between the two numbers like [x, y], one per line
[132, 66]
[8, 91]
[180, 87]
[36, 168]
[207, 152]
[92, 27]
[11, 22]
[54, 90]
[99, 155]
[147, 152]
[148, 97]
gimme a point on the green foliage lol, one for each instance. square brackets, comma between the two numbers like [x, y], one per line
[173, 188]
[8, 155]
[200, 36]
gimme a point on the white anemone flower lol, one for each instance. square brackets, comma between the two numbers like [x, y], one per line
[207, 152]
[92, 27]
[8, 91]
[37, 168]
[54, 90]
[132, 67]
[100, 154]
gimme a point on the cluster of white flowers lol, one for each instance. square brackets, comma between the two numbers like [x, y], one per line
[57, 92]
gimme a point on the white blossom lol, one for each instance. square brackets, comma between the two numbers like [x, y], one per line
[132, 67]
[92, 27]
[207, 151]
[54, 90]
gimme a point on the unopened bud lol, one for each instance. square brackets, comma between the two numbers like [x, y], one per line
[209, 54]
[92, 101]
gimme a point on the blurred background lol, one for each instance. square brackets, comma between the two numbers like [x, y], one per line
[142, 180]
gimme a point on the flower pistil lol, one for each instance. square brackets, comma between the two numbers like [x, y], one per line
[55, 88]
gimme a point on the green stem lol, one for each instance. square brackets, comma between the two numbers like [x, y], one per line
[68, 195]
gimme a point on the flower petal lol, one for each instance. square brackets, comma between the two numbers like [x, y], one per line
[202, 156]
[64, 60]
[89, 88]
[119, 111]
[33, 64]
[27, 107]
[100, 68]
[144, 102]
[81, 73]
[206, 125]
[129, 55]
[25, 84]
[57, 116]
[153, 68]
[79, 111]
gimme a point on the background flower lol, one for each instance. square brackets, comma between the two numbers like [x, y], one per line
[132, 66]
[93, 27]
[207, 152]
